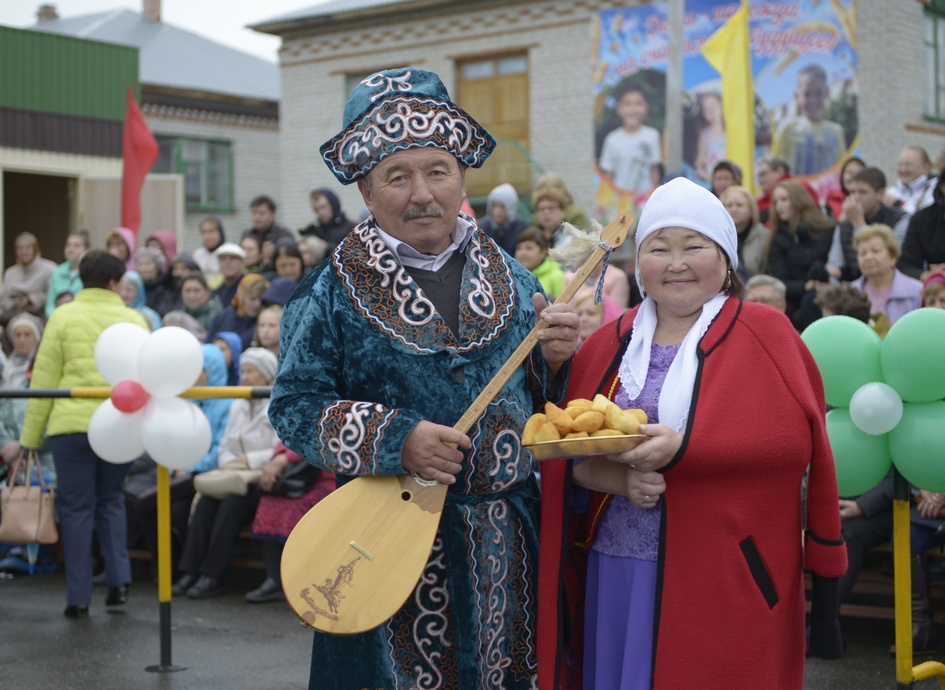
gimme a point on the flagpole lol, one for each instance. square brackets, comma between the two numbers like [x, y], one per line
[674, 87]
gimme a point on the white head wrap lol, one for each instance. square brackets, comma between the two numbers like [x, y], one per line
[677, 204]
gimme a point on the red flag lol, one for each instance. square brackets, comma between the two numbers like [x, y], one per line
[139, 150]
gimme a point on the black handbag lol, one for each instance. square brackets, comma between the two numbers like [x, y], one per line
[296, 479]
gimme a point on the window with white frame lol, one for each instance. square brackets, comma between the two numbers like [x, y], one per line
[935, 61]
[207, 167]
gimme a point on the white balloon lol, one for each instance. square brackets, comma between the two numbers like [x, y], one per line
[169, 361]
[117, 350]
[175, 432]
[115, 436]
[876, 408]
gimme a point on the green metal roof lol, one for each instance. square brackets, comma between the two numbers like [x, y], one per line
[60, 74]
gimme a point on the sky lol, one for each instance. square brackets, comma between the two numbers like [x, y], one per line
[220, 20]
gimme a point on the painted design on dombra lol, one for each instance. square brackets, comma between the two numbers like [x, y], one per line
[398, 124]
[385, 293]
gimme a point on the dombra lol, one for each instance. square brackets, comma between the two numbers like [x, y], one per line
[353, 560]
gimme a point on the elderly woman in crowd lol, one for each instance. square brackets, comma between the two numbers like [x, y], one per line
[159, 291]
[891, 292]
[89, 492]
[708, 485]
[248, 443]
[26, 282]
[198, 301]
[131, 289]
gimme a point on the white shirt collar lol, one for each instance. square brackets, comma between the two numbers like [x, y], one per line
[411, 258]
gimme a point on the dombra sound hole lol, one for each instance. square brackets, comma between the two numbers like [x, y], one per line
[406, 496]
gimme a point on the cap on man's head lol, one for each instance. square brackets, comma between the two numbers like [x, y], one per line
[400, 109]
[230, 249]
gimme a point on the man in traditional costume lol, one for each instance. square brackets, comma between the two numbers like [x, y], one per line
[385, 345]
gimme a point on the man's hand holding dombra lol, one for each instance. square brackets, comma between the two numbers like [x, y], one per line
[431, 451]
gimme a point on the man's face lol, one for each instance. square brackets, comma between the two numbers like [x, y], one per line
[415, 195]
[722, 179]
[911, 165]
[764, 294]
[323, 210]
[869, 198]
[230, 266]
[767, 177]
[262, 217]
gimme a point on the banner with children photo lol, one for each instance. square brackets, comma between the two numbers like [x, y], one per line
[804, 68]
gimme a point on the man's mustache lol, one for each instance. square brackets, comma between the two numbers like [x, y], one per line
[417, 211]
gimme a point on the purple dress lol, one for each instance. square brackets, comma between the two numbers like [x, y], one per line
[621, 571]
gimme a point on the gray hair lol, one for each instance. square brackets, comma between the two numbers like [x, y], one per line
[775, 163]
[762, 279]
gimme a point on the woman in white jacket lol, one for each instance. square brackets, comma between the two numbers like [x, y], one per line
[248, 443]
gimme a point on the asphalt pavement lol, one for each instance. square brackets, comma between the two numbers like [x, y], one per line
[226, 643]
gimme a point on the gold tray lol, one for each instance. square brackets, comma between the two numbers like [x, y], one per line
[578, 447]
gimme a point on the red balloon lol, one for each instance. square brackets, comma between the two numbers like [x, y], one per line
[129, 396]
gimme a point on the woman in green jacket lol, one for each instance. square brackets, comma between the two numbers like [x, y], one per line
[66, 276]
[89, 489]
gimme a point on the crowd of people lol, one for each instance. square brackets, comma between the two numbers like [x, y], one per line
[374, 354]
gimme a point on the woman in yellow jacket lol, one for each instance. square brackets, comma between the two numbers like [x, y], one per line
[89, 489]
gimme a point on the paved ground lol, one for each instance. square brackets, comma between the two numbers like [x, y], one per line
[226, 643]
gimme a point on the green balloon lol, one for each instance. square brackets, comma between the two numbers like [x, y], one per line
[847, 352]
[862, 460]
[913, 356]
[917, 445]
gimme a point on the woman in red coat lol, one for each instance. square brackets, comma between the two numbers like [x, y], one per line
[687, 553]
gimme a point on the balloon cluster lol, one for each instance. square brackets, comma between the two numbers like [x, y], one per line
[147, 371]
[888, 396]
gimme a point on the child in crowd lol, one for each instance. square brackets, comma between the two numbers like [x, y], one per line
[267, 329]
[231, 345]
[531, 250]
[933, 294]
[632, 151]
[807, 141]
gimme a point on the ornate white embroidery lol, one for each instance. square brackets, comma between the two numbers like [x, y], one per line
[506, 449]
[346, 446]
[401, 83]
[494, 609]
[482, 298]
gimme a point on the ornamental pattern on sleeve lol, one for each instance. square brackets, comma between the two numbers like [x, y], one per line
[384, 292]
[350, 435]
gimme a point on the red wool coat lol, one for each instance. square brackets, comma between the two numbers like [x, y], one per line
[730, 592]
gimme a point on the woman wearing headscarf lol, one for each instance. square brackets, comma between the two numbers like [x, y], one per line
[26, 282]
[501, 221]
[231, 345]
[240, 317]
[122, 242]
[160, 291]
[131, 289]
[688, 544]
[164, 241]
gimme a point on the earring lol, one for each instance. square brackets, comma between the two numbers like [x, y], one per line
[728, 281]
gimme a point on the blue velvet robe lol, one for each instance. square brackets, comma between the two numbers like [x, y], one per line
[365, 357]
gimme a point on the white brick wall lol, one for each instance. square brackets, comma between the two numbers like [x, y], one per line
[557, 36]
[255, 158]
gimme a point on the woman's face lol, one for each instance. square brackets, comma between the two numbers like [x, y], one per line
[146, 268]
[738, 208]
[781, 203]
[24, 340]
[874, 258]
[250, 305]
[25, 251]
[848, 172]
[250, 376]
[711, 108]
[179, 269]
[225, 349]
[289, 267]
[251, 247]
[194, 294]
[529, 254]
[591, 316]
[210, 235]
[74, 248]
[681, 270]
[267, 330]
[128, 291]
[117, 247]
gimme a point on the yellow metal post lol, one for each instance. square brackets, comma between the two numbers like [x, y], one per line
[164, 533]
[902, 585]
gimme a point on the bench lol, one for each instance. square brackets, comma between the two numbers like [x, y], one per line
[248, 554]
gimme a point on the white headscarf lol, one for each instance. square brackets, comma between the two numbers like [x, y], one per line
[684, 204]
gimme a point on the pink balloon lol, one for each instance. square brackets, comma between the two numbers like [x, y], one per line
[129, 396]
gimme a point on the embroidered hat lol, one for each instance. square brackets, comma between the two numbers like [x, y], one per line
[681, 203]
[399, 109]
